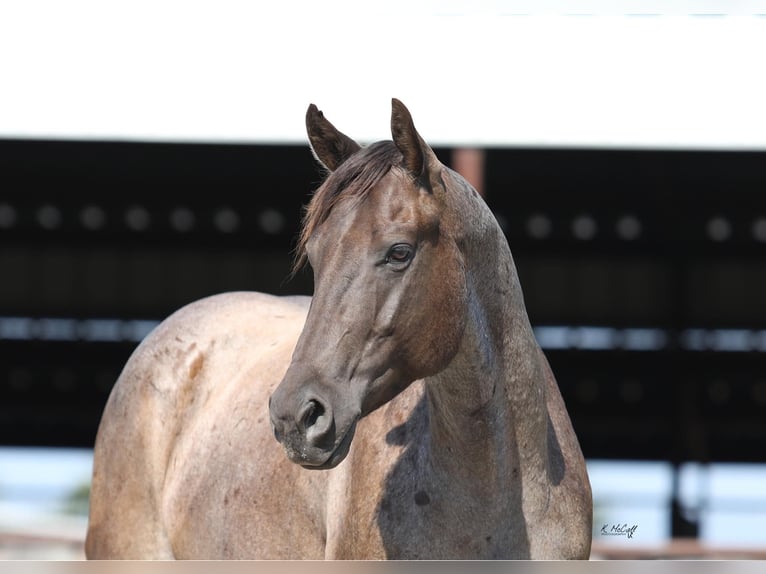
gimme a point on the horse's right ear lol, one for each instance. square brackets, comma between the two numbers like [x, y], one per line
[329, 146]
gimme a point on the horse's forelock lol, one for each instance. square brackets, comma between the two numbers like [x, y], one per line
[354, 178]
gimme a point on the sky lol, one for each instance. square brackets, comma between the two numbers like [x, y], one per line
[649, 73]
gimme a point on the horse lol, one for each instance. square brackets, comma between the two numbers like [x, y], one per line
[414, 413]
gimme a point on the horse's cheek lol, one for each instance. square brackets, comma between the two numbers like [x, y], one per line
[444, 314]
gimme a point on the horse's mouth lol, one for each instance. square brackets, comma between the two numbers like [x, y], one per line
[338, 455]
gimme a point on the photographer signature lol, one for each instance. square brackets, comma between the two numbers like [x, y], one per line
[619, 530]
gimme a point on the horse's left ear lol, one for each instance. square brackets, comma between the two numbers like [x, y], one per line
[414, 150]
[330, 147]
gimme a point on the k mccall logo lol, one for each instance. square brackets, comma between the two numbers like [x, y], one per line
[619, 530]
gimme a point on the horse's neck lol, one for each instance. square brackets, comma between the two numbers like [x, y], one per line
[488, 407]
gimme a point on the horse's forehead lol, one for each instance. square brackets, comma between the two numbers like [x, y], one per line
[395, 199]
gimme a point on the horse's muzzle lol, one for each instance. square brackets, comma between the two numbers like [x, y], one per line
[307, 428]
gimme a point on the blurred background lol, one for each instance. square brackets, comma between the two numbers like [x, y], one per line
[153, 155]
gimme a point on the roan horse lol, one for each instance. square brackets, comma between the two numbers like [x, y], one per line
[418, 415]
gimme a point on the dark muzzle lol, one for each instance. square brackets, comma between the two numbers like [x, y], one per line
[303, 421]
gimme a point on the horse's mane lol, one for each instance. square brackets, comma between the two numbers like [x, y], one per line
[354, 178]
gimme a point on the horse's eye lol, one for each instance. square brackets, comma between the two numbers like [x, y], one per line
[400, 254]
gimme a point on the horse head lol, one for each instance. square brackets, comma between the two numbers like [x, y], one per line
[389, 304]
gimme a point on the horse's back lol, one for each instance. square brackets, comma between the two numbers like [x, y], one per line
[191, 404]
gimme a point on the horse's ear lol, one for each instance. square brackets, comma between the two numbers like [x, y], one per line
[329, 146]
[414, 149]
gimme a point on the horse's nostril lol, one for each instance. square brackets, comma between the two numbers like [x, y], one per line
[314, 409]
[277, 432]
